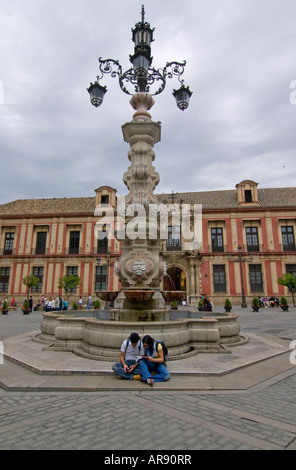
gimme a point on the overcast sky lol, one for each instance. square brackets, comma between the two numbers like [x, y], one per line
[241, 60]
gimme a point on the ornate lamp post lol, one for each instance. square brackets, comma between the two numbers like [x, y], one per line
[140, 267]
[141, 76]
[241, 260]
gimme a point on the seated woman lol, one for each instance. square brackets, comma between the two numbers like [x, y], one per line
[153, 361]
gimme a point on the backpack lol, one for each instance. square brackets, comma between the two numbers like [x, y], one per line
[164, 348]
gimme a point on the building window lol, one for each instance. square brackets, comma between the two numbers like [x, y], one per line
[101, 278]
[256, 280]
[288, 238]
[4, 279]
[248, 195]
[103, 245]
[217, 239]
[41, 243]
[174, 238]
[219, 278]
[252, 239]
[74, 243]
[291, 269]
[8, 244]
[38, 272]
[105, 199]
[72, 271]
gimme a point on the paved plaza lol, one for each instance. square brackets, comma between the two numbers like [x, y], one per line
[239, 400]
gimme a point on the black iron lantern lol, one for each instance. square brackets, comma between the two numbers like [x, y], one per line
[142, 34]
[97, 93]
[182, 97]
[141, 61]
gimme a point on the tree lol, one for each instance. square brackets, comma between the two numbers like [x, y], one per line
[69, 284]
[289, 281]
[30, 281]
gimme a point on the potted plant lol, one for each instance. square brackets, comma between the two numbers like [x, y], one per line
[26, 307]
[174, 305]
[255, 304]
[4, 308]
[227, 305]
[97, 304]
[201, 306]
[284, 304]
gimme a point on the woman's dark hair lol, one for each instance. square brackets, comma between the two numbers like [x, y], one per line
[147, 339]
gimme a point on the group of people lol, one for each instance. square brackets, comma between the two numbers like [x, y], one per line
[13, 302]
[205, 303]
[58, 303]
[269, 302]
[142, 359]
[54, 304]
[51, 303]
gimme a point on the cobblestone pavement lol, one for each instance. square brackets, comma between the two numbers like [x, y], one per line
[262, 417]
[257, 419]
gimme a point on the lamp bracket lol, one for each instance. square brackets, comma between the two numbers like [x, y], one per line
[144, 77]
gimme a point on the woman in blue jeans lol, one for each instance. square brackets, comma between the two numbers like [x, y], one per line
[153, 361]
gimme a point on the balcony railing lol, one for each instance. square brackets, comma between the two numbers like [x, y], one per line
[217, 249]
[173, 245]
[288, 247]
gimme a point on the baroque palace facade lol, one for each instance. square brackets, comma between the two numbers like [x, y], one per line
[248, 236]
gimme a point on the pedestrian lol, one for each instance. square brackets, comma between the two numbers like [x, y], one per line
[80, 303]
[49, 305]
[31, 303]
[130, 351]
[89, 302]
[65, 304]
[153, 361]
[56, 303]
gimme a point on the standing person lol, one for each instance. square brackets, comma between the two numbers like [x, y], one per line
[153, 362]
[89, 302]
[31, 303]
[130, 349]
[56, 303]
[80, 303]
[49, 305]
[65, 304]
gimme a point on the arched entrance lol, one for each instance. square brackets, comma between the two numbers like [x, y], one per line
[175, 279]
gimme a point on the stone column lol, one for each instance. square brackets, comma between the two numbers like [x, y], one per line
[140, 267]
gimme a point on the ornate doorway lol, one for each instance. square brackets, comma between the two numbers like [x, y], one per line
[175, 279]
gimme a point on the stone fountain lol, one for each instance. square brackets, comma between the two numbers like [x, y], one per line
[140, 303]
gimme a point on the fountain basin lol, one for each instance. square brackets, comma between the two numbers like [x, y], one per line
[170, 295]
[136, 295]
[101, 340]
[107, 295]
